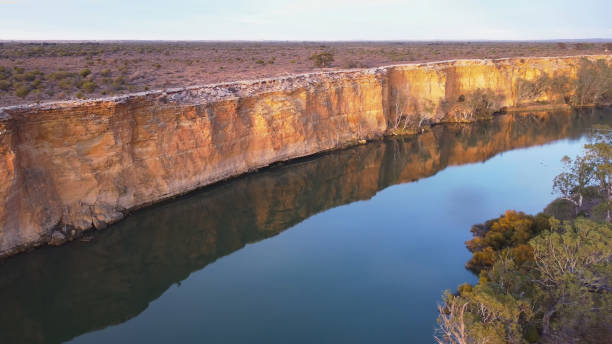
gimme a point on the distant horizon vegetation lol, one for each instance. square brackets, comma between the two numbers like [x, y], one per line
[35, 71]
[552, 40]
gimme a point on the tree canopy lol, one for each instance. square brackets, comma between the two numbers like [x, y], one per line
[542, 280]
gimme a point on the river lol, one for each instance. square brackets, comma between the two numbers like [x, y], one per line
[350, 246]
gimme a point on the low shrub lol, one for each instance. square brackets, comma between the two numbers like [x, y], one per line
[85, 72]
[324, 59]
[22, 91]
[5, 85]
[469, 107]
[60, 75]
[5, 73]
[89, 86]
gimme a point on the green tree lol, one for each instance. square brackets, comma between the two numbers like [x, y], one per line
[324, 59]
[589, 172]
[599, 156]
[573, 183]
[561, 296]
[572, 277]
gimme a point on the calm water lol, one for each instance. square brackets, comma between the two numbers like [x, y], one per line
[354, 246]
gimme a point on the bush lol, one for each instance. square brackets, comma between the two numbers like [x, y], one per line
[85, 72]
[30, 76]
[322, 59]
[509, 232]
[476, 105]
[530, 90]
[356, 64]
[5, 73]
[582, 46]
[593, 85]
[5, 85]
[89, 86]
[60, 75]
[65, 84]
[119, 83]
[22, 91]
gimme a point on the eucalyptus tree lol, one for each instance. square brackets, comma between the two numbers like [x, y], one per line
[573, 183]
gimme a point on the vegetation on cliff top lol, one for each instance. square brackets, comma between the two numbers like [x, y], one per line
[120, 67]
[541, 280]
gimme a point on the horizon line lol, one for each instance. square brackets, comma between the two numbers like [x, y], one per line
[592, 40]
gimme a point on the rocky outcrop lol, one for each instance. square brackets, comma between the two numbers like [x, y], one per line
[71, 166]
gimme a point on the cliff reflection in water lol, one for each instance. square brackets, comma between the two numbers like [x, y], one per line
[55, 294]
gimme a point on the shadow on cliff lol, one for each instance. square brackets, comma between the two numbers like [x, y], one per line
[55, 294]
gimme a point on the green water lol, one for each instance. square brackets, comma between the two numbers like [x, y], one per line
[353, 246]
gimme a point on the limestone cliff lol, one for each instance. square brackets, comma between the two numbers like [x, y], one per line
[71, 166]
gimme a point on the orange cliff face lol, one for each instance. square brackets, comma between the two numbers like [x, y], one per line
[71, 166]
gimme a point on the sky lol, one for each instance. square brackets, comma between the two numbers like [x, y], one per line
[304, 19]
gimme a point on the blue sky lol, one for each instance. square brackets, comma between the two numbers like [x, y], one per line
[305, 19]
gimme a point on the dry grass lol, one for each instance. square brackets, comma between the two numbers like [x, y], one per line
[32, 72]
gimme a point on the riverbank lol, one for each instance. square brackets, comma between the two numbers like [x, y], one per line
[68, 167]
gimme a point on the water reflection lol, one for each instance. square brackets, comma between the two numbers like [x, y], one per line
[54, 294]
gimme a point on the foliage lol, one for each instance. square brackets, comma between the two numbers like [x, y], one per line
[323, 59]
[540, 280]
[588, 175]
[599, 156]
[561, 295]
[85, 72]
[483, 103]
[5, 73]
[472, 106]
[530, 90]
[408, 114]
[593, 84]
[4, 85]
[89, 86]
[22, 91]
[573, 183]
[509, 233]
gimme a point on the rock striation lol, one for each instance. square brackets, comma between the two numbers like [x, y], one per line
[67, 167]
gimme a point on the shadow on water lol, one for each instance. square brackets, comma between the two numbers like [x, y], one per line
[55, 294]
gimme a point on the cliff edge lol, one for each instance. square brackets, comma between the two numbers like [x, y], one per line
[66, 167]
